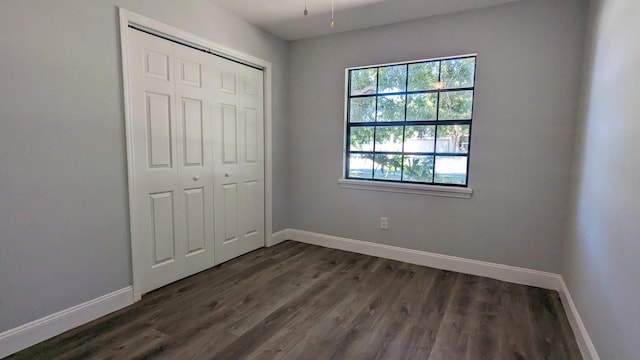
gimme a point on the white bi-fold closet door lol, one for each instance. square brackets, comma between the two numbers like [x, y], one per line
[198, 160]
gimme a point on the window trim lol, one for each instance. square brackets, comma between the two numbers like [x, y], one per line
[448, 190]
[406, 188]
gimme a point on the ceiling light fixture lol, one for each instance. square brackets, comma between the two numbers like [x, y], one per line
[332, 24]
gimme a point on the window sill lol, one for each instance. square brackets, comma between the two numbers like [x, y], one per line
[415, 189]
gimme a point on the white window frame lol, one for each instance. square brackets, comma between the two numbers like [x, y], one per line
[388, 186]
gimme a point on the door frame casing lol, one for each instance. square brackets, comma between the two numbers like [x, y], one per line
[127, 18]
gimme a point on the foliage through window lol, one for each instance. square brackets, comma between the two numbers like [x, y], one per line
[411, 122]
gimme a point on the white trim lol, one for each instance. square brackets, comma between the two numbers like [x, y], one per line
[579, 330]
[135, 253]
[345, 116]
[278, 237]
[413, 61]
[400, 187]
[508, 273]
[268, 156]
[22, 337]
[404, 188]
[128, 17]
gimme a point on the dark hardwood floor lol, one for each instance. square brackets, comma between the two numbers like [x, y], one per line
[298, 301]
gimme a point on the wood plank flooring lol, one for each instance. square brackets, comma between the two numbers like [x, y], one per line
[298, 301]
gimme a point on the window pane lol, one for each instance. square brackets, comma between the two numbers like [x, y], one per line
[361, 166]
[451, 170]
[361, 138]
[389, 138]
[362, 109]
[453, 139]
[421, 106]
[392, 79]
[364, 81]
[458, 73]
[435, 97]
[419, 138]
[391, 108]
[423, 76]
[418, 168]
[455, 105]
[388, 167]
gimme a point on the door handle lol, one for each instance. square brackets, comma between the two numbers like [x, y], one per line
[226, 175]
[196, 178]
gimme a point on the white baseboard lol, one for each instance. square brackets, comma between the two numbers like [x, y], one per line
[444, 262]
[579, 330]
[278, 237]
[22, 337]
[507, 273]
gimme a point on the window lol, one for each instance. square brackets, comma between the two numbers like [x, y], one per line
[411, 122]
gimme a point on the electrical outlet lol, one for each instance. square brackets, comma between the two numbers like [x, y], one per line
[384, 223]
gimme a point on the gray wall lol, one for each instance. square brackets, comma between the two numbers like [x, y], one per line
[64, 232]
[529, 66]
[602, 254]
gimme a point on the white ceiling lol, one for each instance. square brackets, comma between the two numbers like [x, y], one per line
[284, 18]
